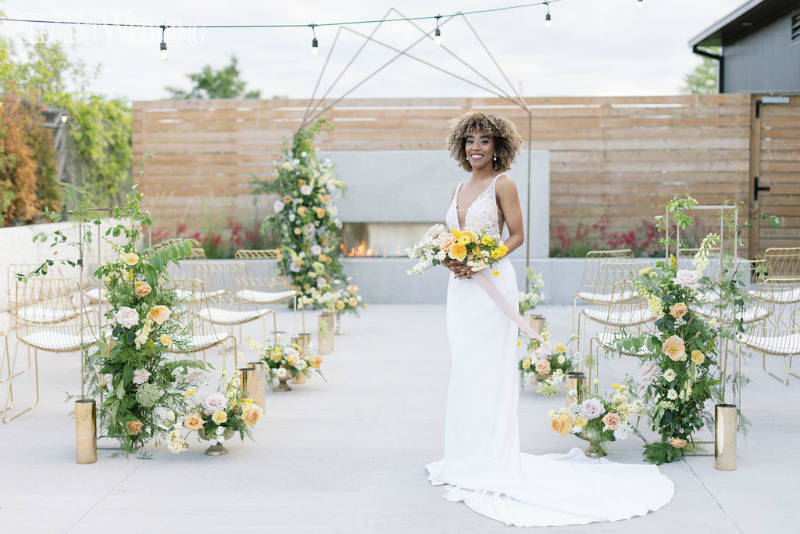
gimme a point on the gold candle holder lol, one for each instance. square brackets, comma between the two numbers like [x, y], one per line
[86, 431]
[260, 383]
[725, 437]
[247, 380]
[305, 341]
[537, 323]
[577, 381]
[325, 334]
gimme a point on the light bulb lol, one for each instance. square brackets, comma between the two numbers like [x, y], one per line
[639, 4]
[437, 37]
[548, 21]
[164, 53]
[63, 118]
[315, 47]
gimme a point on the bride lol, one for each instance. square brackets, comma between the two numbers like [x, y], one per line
[483, 466]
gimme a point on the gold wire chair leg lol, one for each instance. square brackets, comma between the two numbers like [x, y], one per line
[589, 365]
[574, 312]
[10, 384]
[785, 380]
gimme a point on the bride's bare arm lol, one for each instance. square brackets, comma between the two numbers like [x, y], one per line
[508, 199]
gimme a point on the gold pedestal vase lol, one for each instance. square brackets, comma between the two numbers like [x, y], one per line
[595, 448]
[283, 386]
[86, 431]
[299, 379]
[725, 418]
[216, 449]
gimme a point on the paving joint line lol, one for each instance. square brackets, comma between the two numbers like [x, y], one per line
[101, 499]
[712, 495]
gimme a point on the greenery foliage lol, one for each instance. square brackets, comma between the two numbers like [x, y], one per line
[703, 79]
[210, 83]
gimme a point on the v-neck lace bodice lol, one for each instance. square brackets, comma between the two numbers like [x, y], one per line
[482, 213]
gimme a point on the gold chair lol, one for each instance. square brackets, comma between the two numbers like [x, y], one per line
[49, 318]
[197, 254]
[265, 271]
[590, 282]
[783, 262]
[624, 317]
[779, 333]
[605, 293]
[222, 282]
[197, 333]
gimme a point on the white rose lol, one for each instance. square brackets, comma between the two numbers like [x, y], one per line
[688, 279]
[316, 250]
[281, 373]
[127, 317]
[278, 206]
[140, 376]
[306, 189]
[669, 375]
[672, 394]
[214, 403]
[592, 408]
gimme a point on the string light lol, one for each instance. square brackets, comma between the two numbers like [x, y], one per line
[164, 53]
[314, 42]
[548, 21]
[437, 35]
[639, 4]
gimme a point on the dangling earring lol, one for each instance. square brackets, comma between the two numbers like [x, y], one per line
[494, 158]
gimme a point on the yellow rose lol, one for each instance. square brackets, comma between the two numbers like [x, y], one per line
[456, 232]
[133, 427]
[193, 422]
[340, 305]
[472, 236]
[159, 314]
[142, 289]
[560, 347]
[189, 393]
[458, 252]
[698, 357]
[526, 364]
[301, 211]
[287, 165]
[166, 340]
[276, 357]
[300, 261]
[464, 239]
[129, 258]
[219, 417]
[297, 231]
[643, 272]
[251, 414]
[580, 422]
[323, 257]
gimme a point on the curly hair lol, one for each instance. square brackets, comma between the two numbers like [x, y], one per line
[507, 142]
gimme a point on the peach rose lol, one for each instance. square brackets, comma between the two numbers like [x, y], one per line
[612, 420]
[542, 367]
[129, 258]
[133, 427]
[159, 314]
[458, 251]
[678, 443]
[251, 414]
[301, 211]
[471, 235]
[674, 348]
[287, 199]
[678, 310]
[315, 360]
[340, 305]
[446, 242]
[562, 423]
[142, 289]
[352, 302]
[325, 199]
[193, 422]
[320, 212]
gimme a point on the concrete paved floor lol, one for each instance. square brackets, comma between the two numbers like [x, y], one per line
[348, 455]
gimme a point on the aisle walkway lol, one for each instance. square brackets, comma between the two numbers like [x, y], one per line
[347, 455]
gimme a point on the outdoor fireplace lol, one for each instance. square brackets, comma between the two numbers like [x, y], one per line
[380, 240]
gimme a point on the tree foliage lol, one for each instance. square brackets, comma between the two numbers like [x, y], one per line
[210, 83]
[703, 79]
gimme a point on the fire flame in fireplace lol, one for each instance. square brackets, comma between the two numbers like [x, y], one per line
[361, 251]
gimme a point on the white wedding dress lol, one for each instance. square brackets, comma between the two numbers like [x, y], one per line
[483, 466]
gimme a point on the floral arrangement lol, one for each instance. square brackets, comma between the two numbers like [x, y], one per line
[478, 250]
[546, 365]
[599, 419]
[304, 215]
[338, 301]
[287, 361]
[678, 375]
[143, 388]
[535, 296]
[216, 417]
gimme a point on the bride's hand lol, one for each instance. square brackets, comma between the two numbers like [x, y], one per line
[459, 269]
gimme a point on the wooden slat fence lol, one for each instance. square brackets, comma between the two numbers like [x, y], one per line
[617, 157]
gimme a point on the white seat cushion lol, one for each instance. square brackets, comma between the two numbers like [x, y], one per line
[96, 294]
[205, 295]
[229, 317]
[56, 341]
[265, 297]
[750, 315]
[619, 319]
[606, 297]
[38, 315]
[198, 343]
[787, 344]
[785, 296]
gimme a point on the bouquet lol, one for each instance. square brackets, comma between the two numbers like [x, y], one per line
[216, 417]
[599, 419]
[286, 361]
[477, 250]
[547, 365]
[338, 301]
[528, 301]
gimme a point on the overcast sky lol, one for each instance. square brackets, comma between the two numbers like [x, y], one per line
[595, 47]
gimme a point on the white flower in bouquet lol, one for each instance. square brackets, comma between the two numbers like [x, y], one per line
[647, 373]
[127, 317]
[441, 255]
[434, 231]
[214, 403]
[301, 364]
[669, 375]
[310, 228]
[281, 373]
[672, 394]
[622, 430]
[316, 250]
[592, 408]
[294, 266]
[321, 283]
[140, 376]
[687, 279]
[278, 206]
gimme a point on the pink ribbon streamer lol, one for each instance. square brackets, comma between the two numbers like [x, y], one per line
[483, 280]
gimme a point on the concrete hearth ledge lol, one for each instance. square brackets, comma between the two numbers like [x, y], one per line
[347, 455]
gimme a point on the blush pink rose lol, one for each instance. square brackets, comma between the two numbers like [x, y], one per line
[612, 420]
[214, 403]
[687, 279]
[127, 317]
